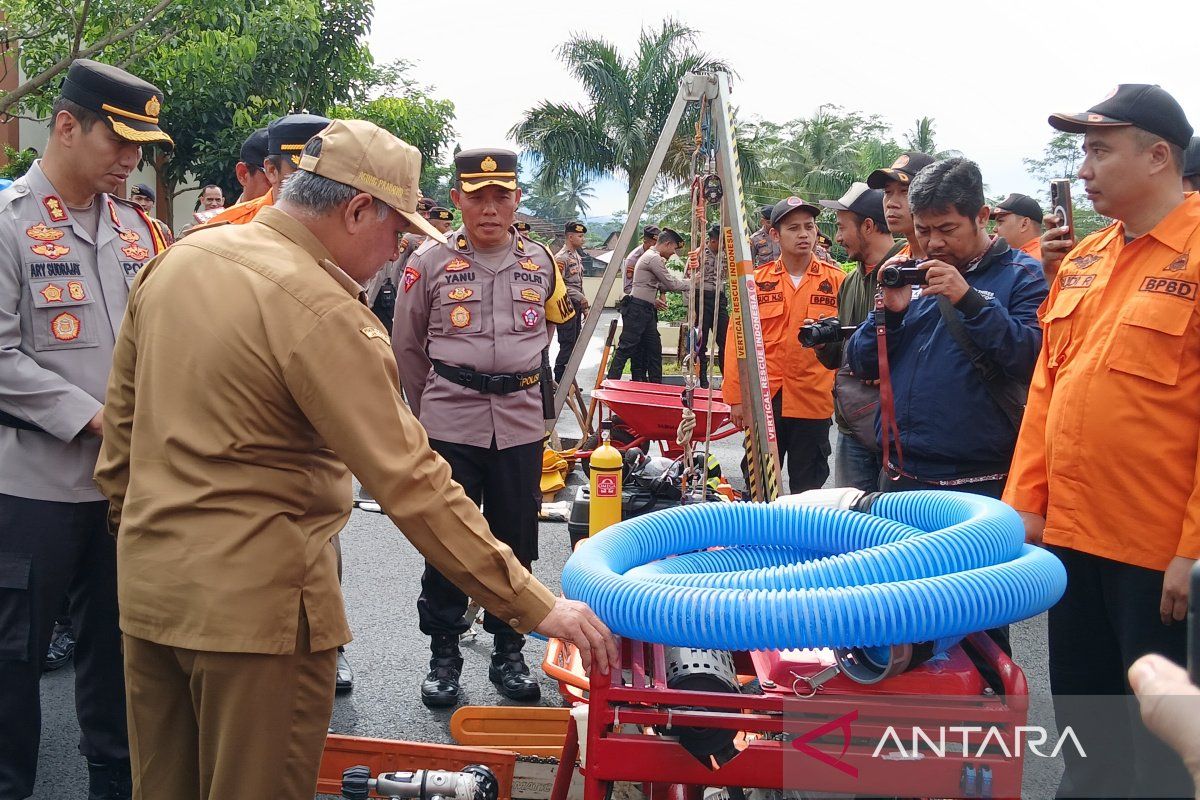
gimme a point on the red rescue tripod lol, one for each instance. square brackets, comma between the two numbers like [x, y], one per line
[815, 733]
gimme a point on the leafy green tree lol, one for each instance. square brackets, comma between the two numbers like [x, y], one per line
[53, 33]
[226, 66]
[628, 100]
[425, 122]
[559, 198]
[17, 163]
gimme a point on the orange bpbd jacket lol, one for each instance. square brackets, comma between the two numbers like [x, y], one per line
[1033, 247]
[242, 213]
[807, 385]
[1108, 451]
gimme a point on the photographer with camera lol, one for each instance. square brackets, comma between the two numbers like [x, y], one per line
[796, 287]
[962, 336]
[863, 231]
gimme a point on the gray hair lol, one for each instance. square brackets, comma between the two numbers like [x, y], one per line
[317, 195]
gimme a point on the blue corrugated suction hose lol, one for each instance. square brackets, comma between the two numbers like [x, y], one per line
[919, 566]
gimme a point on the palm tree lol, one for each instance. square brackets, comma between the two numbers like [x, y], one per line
[629, 99]
[920, 138]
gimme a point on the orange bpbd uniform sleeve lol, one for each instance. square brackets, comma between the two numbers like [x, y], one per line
[242, 213]
[1109, 450]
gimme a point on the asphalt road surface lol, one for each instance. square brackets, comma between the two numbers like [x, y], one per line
[389, 654]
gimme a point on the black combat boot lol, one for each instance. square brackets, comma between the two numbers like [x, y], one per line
[508, 670]
[109, 780]
[441, 688]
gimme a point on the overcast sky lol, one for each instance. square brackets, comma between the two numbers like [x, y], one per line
[989, 74]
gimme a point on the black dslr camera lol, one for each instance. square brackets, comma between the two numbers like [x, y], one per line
[824, 331]
[906, 273]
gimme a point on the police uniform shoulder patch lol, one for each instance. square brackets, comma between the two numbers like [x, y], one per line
[55, 208]
[65, 327]
[43, 233]
[136, 252]
[50, 250]
[371, 332]
[461, 243]
[411, 276]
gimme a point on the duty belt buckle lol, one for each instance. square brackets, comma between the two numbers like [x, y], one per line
[496, 384]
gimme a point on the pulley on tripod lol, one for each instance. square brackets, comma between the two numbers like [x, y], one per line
[712, 189]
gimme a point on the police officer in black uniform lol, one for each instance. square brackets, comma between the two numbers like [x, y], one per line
[69, 249]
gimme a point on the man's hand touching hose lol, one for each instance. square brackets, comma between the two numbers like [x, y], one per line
[572, 621]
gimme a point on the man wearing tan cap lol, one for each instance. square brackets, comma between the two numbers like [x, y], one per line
[280, 383]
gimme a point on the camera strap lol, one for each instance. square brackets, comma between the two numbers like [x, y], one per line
[889, 431]
[1008, 394]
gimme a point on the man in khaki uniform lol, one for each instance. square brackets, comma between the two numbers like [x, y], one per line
[280, 383]
[472, 320]
[69, 248]
[571, 265]
[639, 323]
[763, 248]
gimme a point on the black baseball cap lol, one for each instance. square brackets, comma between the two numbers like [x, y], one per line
[475, 169]
[143, 190]
[1022, 205]
[1142, 105]
[441, 214]
[287, 136]
[574, 227]
[1191, 160]
[254, 149]
[670, 236]
[903, 169]
[788, 205]
[765, 211]
[862, 200]
[127, 104]
[650, 232]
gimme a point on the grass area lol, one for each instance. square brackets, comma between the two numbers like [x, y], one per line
[670, 367]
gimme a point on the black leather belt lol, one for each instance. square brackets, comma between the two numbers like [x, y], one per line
[9, 421]
[486, 383]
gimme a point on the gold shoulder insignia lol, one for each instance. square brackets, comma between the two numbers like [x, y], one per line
[371, 332]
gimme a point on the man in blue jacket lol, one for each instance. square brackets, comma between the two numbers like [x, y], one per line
[979, 299]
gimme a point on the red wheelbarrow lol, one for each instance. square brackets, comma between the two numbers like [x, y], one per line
[650, 412]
